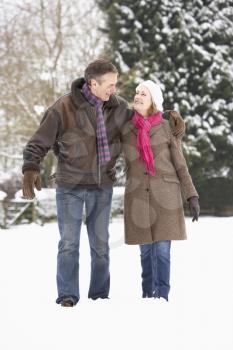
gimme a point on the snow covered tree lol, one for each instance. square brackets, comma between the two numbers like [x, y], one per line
[186, 45]
[44, 46]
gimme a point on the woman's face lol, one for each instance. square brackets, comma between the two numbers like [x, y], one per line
[142, 101]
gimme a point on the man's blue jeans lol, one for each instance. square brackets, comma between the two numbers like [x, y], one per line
[70, 203]
[155, 262]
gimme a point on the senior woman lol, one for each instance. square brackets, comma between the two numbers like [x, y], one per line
[157, 178]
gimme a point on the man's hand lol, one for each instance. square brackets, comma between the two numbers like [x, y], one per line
[31, 179]
[194, 207]
[177, 123]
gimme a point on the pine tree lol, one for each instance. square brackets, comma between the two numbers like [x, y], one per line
[186, 45]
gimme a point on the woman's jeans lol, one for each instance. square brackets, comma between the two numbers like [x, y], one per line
[155, 262]
[70, 203]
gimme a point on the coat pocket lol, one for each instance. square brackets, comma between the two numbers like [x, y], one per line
[171, 179]
[71, 147]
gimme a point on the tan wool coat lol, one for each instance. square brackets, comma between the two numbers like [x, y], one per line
[153, 205]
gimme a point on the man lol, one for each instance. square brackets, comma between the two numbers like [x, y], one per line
[82, 127]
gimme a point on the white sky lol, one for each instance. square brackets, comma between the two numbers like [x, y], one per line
[198, 316]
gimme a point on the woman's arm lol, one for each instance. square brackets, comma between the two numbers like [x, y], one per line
[181, 167]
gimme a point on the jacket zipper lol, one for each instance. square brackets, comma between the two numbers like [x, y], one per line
[99, 172]
[98, 160]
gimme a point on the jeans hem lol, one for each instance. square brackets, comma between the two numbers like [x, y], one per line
[161, 296]
[98, 297]
[147, 295]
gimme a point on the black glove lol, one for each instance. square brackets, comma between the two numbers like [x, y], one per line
[194, 207]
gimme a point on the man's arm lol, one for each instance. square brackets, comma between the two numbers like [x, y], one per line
[35, 150]
[41, 142]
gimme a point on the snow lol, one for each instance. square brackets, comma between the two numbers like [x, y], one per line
[142, 3]
[2, 195]
[224, 172]
[45, 76]
[46, 201]
[185, 103]
[189, 149]
[44, 194]
[158, 37]
[230, 139]
[138, 25]
[127, 11]
[2, 112]
[3, 176]
[39, 109]
[218, 130]
[49, 193]
[197, 316]
[124, 67]
[195, 121]
[124, 31]
[118, 191]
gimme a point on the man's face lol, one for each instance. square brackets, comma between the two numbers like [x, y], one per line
[105, 86]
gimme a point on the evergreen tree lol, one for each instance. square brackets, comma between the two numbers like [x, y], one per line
[186, 45]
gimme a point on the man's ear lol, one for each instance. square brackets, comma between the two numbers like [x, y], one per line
[93, 83]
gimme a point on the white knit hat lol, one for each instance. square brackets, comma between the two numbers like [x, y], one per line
[155, 91]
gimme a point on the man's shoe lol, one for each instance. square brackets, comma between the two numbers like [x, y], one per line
[67, 302]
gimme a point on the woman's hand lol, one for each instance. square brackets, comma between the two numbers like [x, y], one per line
[194, 207]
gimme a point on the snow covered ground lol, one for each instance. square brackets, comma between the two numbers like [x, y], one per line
[198, 316]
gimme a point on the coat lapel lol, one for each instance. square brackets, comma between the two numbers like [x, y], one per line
[155, 129]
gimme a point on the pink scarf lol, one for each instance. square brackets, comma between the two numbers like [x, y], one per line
[143, 139]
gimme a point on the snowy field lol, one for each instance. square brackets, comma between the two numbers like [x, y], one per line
[198, 316]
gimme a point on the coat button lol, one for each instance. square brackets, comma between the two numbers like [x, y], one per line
[147, 189]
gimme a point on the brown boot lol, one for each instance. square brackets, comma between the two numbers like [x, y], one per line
[67, 302]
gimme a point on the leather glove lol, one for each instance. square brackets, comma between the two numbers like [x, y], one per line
[177, 123]
[194, 207]
[31, 179]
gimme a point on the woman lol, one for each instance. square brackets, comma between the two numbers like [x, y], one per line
[156, 177]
